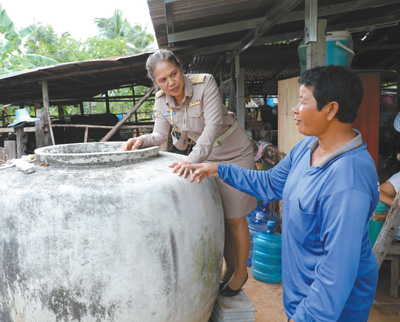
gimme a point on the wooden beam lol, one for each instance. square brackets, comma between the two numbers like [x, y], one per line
[275, 14]
[368, 24]
[264, 40]
[127, 116]
[124, 127]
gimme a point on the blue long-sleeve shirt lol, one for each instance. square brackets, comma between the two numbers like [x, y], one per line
[329, 272]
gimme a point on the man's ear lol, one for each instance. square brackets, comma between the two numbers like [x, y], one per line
[332, 110]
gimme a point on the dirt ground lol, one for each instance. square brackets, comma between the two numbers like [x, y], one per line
[267, 298]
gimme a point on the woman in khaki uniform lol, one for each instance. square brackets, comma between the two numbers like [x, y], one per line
[192, 106]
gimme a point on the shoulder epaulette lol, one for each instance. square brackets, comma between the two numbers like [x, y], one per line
[159, 93]
[197, 79]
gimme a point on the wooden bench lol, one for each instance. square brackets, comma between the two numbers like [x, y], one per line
[393, 255]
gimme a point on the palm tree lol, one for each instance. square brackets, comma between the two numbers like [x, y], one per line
[137, 37]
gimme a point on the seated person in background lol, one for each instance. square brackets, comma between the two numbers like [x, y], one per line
[389, 188]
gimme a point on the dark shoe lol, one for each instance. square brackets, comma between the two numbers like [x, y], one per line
[228, 292]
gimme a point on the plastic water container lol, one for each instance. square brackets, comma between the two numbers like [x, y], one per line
[267, 258]
[265, 210]
[339, 48]
[256, 225]
[302, 52]
[252, 214]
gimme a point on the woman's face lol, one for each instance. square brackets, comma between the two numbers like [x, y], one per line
[309, 120]
[170, 79]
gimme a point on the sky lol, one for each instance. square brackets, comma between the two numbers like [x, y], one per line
[75, 16]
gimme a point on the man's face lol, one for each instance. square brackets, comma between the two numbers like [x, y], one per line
[309, 120]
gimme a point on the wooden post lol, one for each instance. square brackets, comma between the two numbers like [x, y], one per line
[107, 103]
[388, 231]
[316, 51]
[126, 117]
[3, 118]
[61, 115]
[19, 131]
[240, 108]
[42, 137]
[398, 86]
[46, 103]
[85, 138]
[81, 107]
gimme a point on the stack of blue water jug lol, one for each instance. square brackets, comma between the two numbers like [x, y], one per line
[256, 224]
[267, 259]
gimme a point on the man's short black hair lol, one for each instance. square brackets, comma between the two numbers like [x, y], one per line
[335, 83]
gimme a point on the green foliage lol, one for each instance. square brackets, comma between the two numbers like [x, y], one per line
[11, 35]
[137, 38]
[95, 48]
[43, 47]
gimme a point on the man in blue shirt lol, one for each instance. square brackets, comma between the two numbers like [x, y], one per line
[329, 187]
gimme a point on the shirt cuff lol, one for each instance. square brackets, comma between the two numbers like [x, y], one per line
[221, 169]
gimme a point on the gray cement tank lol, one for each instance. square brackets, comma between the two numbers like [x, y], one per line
[106, 235]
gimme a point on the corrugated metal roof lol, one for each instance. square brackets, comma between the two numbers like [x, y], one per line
[204, 33]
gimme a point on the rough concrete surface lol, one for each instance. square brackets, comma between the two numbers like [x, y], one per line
[108, 243]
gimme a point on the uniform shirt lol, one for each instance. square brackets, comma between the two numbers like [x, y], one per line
[329, 272]
[206, 117]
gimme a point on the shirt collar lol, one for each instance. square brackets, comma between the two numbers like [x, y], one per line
[188, 93]
[351, 145]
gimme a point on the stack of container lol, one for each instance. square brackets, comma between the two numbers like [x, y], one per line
[267, 259]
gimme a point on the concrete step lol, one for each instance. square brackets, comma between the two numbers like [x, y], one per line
[237, 308]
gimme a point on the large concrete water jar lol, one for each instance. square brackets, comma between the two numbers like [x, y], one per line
[106, 235]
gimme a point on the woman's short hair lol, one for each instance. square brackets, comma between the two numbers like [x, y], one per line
[335, 83]
[160, 56]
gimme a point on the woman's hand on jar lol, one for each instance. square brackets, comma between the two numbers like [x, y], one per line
[180, 168]
[132, 144]
[200, 171]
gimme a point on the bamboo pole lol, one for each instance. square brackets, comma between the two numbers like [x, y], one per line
[126, 117]
[388, 231]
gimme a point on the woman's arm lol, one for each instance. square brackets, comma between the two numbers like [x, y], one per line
[387, 193]
[161, 127]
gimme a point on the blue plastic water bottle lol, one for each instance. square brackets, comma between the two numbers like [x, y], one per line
[265, 210]
[267, 258]
[252, 214]
[256, 224]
